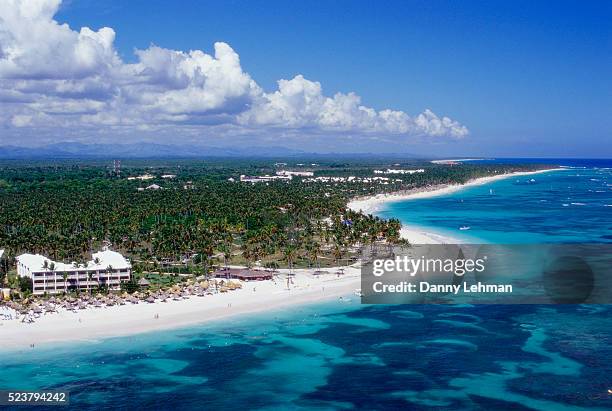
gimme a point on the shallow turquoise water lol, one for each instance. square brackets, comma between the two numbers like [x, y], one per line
[568, 206]
[343, 355]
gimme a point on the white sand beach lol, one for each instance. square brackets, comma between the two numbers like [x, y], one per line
[416, 235]
[97, 323]
[255, 296]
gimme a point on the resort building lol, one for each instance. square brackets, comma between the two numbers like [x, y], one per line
[143, 177]
[352, 179]
[243, 274]
[107, 268]
[262, 179]
[295, 173]
[399, 171]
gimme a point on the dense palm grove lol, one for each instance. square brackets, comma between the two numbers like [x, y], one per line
[67, 210]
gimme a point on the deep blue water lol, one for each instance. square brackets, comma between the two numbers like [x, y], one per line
[342, 355]
[567, 162]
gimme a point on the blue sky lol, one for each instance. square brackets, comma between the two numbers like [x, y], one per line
[526, 78]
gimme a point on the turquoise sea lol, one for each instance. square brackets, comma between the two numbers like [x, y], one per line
[573, 205]
[344, 355]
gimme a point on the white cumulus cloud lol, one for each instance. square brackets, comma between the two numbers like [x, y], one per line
[57, 78]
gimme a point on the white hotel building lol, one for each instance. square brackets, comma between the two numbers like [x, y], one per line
[107, 268]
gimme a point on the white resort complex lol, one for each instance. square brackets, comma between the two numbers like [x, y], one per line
[107, 268]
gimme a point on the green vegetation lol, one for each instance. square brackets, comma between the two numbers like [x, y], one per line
[66, 210]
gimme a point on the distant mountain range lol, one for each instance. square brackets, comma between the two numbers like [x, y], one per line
[138, 150]
[71, 150]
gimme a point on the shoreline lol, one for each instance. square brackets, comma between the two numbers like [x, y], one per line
[421, 235]
[95, 324]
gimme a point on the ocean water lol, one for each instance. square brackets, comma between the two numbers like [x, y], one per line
[338, 356]
[573, 205]
[343, 355]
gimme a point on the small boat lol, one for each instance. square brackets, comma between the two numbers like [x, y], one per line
[358, 292]
[465, 227]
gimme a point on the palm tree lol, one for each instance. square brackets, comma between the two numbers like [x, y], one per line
[227, 255]
[78, 276]
[40, 218]
[52, 268]
[290, 253]
[65, 277]
[109, 270]
[337, 251]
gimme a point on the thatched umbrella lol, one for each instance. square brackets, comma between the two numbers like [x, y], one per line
[237, 285]
[144, 283]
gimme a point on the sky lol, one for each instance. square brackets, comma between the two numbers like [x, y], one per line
[446, 78]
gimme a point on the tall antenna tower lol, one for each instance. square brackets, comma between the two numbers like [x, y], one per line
[117, 167]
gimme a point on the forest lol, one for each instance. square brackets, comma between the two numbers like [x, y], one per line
[201, 214]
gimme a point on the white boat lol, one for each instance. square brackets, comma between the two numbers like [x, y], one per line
[465, 227]
[358, 292]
